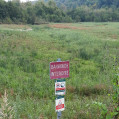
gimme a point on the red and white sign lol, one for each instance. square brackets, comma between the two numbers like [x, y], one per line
[60, 88]
[59, 69]
[60, 104]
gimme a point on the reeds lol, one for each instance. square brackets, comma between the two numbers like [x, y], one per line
[6, 111]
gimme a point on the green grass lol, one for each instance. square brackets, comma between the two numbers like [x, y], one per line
[24, 68]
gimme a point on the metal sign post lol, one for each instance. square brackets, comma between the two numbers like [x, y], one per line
[59, 113]
[59, 70]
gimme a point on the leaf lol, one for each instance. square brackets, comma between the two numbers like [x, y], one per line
[117, 108]
[115, 113]
[108, 117]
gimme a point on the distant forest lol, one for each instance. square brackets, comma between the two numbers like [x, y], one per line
[44, 11]
[72, 4]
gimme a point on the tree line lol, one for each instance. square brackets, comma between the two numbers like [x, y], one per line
[87, 14]
[72, 4]
[43, 12]
[40, 12]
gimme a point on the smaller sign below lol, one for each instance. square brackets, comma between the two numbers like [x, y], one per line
[60, 87]
[59, 104]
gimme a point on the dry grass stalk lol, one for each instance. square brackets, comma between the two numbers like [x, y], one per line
[6, 111]
[41, 116]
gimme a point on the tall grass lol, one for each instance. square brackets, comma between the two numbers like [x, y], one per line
[6, 111]
[24, 69]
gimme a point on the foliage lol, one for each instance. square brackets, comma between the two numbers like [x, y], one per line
[72, 4]
[16, 12]
[116, 90]
[84, 14]
[41, 12]
[6, 111]
[24, 67]
[114, 113]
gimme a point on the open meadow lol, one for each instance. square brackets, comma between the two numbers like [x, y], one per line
[25, 53]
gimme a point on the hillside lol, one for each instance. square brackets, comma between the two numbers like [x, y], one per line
[38, 12]
[72, 4]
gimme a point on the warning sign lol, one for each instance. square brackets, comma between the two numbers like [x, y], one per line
[60, 106]
[60, 87]
[59, 69]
